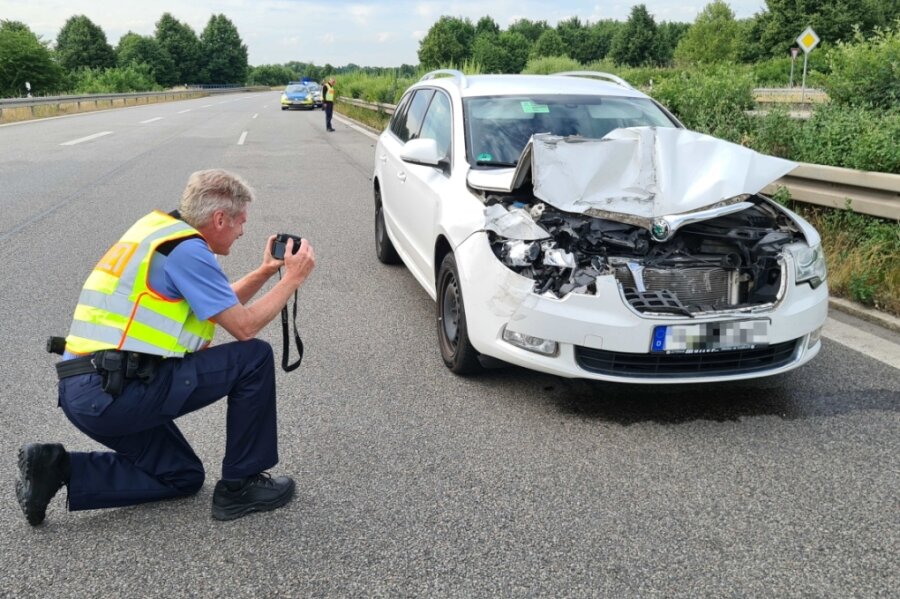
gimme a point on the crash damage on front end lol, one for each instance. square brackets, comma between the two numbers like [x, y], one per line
[673, 215]
[669, 221]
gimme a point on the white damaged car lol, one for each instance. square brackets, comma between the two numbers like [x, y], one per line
[569, 224]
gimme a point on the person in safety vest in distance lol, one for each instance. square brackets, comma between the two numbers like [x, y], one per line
[136, 358]
[328, 98]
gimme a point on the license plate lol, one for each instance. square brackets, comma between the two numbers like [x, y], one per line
[709, 337]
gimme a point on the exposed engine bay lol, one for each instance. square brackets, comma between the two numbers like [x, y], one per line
[727, 262]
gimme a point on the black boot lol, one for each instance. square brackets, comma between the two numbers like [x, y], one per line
[258, 493]
[43, 469]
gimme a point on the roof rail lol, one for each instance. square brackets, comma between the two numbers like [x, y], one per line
[597, 75]
[457, 76]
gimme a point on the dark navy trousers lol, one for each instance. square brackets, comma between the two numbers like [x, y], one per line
[151, 459]
[329, 110]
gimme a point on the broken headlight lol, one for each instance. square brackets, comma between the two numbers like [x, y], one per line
[809, 265]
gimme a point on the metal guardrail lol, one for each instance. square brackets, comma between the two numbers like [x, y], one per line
[872, 193]
[386, 108]
[789, 95]
[17, 104]
[38, 101]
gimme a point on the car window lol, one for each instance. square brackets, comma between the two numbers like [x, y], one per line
[400, 115]
[293, 89]
[437, 124]
[497, 128]
[409, 127]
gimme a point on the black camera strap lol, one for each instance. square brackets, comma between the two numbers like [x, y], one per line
[285, 334]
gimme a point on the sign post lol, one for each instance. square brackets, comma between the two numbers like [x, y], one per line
[794, 53]
[807, 40]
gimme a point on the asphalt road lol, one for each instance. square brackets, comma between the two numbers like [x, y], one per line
[413, 482]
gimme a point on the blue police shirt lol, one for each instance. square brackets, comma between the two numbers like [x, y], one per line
[192, 273]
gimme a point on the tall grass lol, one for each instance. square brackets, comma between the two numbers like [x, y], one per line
[862, 253]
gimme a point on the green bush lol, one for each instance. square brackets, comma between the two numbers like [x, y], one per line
[711, 100]
[133, 78]
[775, 134]
[857, 138]
[867, 71]
[551, 64]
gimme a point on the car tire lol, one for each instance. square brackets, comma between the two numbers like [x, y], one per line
[453, 334]
[384, 249]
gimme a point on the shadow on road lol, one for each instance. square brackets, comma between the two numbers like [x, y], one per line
[787, 396]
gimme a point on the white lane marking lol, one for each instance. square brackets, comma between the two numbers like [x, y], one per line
[243, 137]
[183, 111]
[206, 106]
[863, 342]
[156, 118]
[88, 138]
[256, 115]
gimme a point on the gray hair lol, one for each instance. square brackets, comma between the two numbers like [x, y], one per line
[211, 190]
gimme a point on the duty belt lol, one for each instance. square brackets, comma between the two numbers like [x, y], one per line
[114, 366]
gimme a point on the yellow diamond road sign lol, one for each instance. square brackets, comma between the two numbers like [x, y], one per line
[808, 40]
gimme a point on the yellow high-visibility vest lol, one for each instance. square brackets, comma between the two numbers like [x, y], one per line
[329, 95]
[118, 309]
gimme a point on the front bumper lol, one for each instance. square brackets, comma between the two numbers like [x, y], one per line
[601, 337]
[309, 104]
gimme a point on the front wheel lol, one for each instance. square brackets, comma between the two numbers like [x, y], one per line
[453, 335]
[384, 249]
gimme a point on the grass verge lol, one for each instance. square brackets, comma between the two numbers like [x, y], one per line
[862, 253]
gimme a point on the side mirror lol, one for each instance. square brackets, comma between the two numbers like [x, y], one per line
[422, 151]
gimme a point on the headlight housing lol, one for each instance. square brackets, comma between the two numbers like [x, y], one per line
[809, 265]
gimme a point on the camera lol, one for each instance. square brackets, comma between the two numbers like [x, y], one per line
[279, 246]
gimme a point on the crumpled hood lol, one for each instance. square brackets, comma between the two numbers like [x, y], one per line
[638, 173]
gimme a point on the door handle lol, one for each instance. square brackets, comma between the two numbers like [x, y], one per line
[401, 175]
[383, 158]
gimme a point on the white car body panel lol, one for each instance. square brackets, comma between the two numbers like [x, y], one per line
[647, 171]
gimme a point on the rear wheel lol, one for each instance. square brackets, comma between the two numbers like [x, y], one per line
[453, 335]
[384, 249]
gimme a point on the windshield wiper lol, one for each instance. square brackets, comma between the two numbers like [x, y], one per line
[494, 163]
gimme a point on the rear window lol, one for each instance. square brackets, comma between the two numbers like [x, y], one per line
[497, 128]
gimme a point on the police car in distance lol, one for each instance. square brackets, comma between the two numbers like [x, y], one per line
[298, 95]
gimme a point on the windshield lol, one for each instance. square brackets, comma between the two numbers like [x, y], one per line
[497, 128]
[295, 89]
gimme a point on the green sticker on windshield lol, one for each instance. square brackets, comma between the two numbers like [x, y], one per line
[530, 107]
[485, 156]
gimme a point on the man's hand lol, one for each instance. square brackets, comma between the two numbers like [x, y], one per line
[270, 265]
[297, 266]
[244, 322]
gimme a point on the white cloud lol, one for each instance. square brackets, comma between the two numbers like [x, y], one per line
[384, 36]
[361, 13]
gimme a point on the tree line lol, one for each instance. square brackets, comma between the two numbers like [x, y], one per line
[83, 61]
[82, 58]
[715, 36]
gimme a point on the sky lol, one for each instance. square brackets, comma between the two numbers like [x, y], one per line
[380, 33]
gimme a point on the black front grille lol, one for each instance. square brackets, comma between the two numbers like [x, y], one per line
[686, 365]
